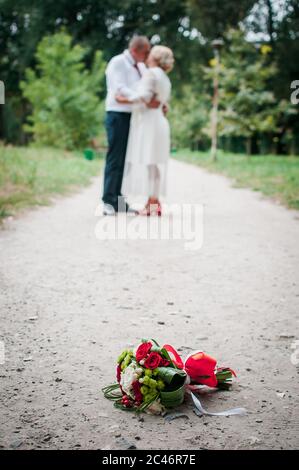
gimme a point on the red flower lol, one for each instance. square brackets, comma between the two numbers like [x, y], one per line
[126, 401]
[136, 388]
[143, 350]
[201, 369]
[118, 373]
[153, 360]
[165, 363]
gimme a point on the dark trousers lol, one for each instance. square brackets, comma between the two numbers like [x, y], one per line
[117, 127]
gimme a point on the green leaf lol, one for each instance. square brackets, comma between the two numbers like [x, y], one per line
[156, 349]
[120, 406]
[154, 341]
[166, 355]
[173, 398]
[146, 404]
[174, 378]
[112, 392]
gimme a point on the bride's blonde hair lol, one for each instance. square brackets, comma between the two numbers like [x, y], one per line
[163, 56]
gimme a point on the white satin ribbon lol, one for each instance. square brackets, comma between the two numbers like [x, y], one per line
[201, 411]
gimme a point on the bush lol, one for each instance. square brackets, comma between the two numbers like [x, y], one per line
[188, 116]
[66, 109]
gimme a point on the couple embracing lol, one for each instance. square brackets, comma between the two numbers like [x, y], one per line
[138, 90]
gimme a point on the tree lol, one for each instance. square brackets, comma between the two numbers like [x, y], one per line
[188, 117]
[101, 25]
[187, 26]
[214, 17]
[247, 106]
[66, 110]
[277, 21]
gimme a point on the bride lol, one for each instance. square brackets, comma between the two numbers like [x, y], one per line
[149, 137]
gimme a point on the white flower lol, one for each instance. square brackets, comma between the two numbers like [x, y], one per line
[156, 408]
[128, 376]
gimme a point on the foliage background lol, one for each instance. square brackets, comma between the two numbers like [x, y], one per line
[187, 26]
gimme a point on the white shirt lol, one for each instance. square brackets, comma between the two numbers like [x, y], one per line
[122, 78]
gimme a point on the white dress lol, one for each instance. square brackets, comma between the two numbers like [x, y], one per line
[149, 138]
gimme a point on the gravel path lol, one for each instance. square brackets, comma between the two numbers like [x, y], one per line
[71, 302]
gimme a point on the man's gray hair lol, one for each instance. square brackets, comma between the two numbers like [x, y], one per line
[139, 42]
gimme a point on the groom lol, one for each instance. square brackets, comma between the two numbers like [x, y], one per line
[122, 74]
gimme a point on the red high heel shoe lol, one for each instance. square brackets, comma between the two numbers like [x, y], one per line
[159, 210]
[152, 208]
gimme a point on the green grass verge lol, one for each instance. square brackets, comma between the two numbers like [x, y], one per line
[274, 176]
[30, 176]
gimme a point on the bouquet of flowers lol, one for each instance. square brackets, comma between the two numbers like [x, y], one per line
[154, 378]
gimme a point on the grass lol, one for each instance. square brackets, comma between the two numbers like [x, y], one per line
[275, 176]
[31, 176]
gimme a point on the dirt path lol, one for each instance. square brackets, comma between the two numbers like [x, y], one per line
[70, 303]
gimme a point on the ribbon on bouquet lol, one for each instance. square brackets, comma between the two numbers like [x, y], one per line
[202, 369]
[199, 410]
